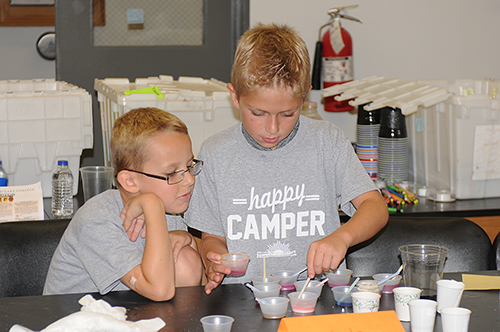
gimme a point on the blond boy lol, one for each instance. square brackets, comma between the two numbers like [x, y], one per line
[272, 186]
[155, 173]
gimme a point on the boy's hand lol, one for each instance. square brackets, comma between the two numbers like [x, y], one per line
[215, 271]
[179, 240]
[325, 254]
[133, 215]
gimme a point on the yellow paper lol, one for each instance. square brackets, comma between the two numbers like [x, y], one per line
[480, 282]
[381, 321]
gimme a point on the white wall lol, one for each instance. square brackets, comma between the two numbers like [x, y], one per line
[409, 40]
[19, 58]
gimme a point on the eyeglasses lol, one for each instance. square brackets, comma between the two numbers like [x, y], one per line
[177, 176]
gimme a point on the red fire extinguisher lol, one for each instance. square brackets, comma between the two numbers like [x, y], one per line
[333, 61]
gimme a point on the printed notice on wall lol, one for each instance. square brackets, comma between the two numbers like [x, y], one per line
[486, 164]
[21, 202]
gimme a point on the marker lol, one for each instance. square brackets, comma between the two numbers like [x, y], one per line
[395, 210]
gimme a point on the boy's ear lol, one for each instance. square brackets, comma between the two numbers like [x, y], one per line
[232, 92]
[127, 181]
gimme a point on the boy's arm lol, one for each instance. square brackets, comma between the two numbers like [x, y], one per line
[212, 247]
[371, 216]
[154, 278]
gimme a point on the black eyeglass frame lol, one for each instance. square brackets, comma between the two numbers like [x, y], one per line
[166, 178]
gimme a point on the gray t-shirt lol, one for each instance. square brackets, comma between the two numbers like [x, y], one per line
[95, 252]
[274, 204]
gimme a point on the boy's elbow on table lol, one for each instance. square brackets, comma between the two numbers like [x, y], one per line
[161, 295]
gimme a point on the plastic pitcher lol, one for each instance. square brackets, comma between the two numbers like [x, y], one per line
[422, 266]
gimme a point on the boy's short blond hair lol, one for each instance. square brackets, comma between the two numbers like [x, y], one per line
[270, 55]
[131, 132]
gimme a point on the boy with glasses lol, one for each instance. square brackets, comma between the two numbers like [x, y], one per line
[155, 172]
[272, 186]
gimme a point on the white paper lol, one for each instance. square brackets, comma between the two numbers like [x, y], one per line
[21, 202]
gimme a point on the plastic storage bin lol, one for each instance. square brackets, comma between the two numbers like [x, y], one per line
[42, 121]
[455, 145]
[205, 106]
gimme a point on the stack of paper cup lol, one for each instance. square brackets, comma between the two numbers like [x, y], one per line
[392, 146]
[368, 128]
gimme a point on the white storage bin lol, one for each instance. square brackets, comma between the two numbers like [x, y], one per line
[204, 105]
[42, 121]
[455, 145]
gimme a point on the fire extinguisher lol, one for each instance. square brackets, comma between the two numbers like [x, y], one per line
[333, 61]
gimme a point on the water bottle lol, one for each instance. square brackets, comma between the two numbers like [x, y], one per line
[309, 109]
[3, 176]
[62, 190]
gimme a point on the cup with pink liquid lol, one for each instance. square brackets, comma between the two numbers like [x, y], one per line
[390, 284]
[339, 277]
[287, 279]
[303, 302]
[236, 262]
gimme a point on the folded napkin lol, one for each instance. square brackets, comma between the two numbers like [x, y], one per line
[480, 282]
[98, 316]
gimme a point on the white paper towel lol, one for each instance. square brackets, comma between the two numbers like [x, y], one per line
[97, 316]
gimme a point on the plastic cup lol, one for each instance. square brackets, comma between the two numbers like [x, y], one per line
[267, 290]
[95, 180]
[274, 308]
[390, 284]
[449, 293]
[342, 298]
[455, 319]
[287, 279]
[236, 262]
[219, 323]
[365, 301]
[339, 277]
[265, 280]
[422, 315]
[306, 303]
[311, 286]
[402, 296]
[422, 267]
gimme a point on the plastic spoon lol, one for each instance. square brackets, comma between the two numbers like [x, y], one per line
[391, 276]
[299, 272]
[251, 287]
[349, 289]
[304, 288]
[322, 282]
[260, 301]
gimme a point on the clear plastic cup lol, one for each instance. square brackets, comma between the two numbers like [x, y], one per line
[342, 298]
[267, 290]
[339, 277]
[275, 307]
[305, 303]
[390, 284]
[287, 279]
[219, 323]
[311, 286]
[265, 280]
[236, 262]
